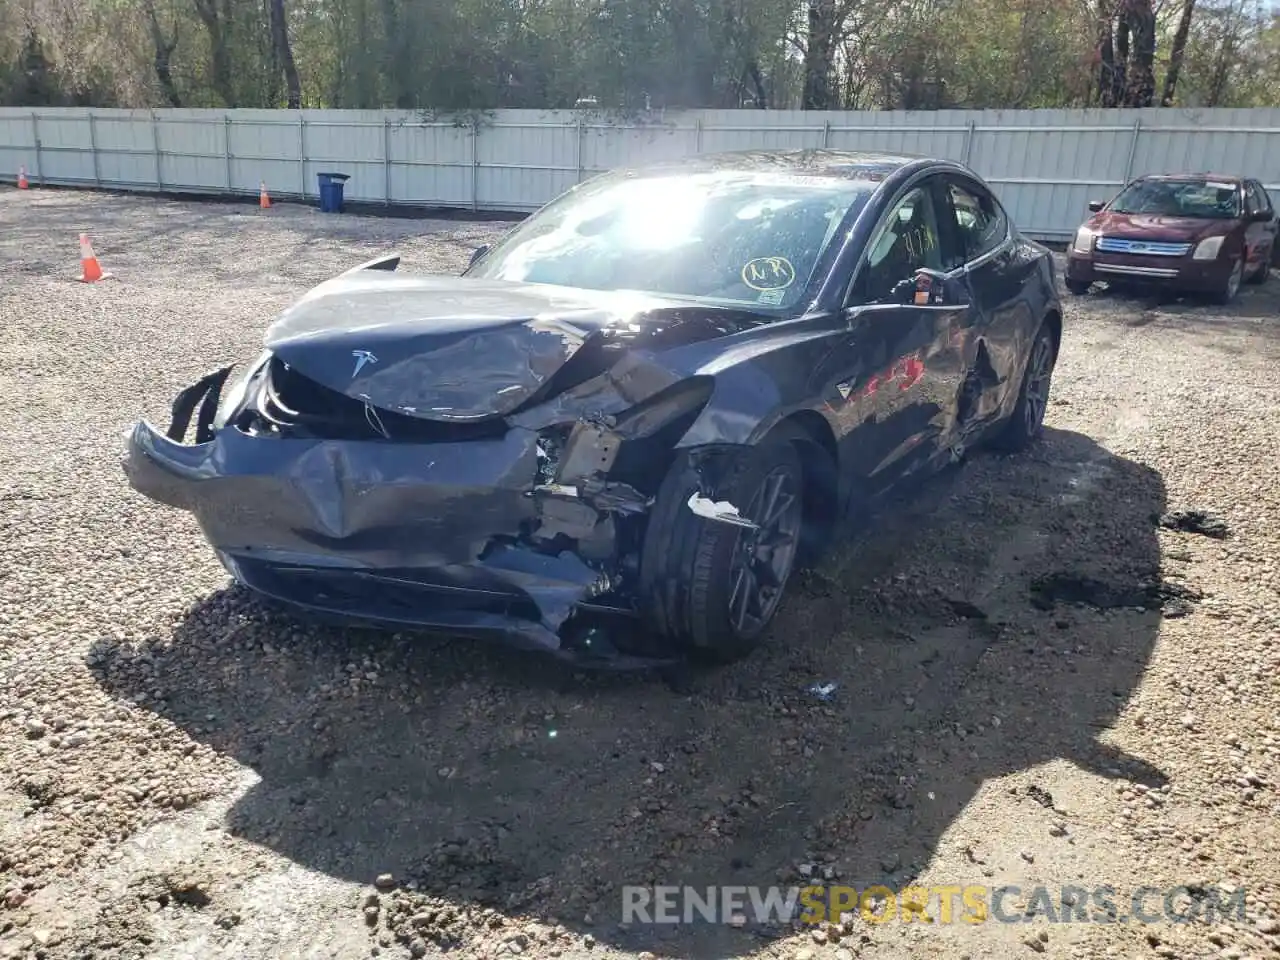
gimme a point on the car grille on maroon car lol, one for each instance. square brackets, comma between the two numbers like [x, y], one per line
[1147, 248]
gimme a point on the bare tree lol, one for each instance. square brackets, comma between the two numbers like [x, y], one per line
[284, 53]
[164, 47]
[1106, 53]
[819, 55]
[216, 18]
[1177, 52]
[1120, 69]
[1140, 81]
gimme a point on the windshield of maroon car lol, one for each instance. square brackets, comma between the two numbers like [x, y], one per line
[1201, 199]
[734, 237]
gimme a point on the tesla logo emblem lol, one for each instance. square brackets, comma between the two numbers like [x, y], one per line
[362, 357]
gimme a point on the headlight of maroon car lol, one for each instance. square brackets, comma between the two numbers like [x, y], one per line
[1208, 248]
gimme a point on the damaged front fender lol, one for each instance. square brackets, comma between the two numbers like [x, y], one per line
[521, 521]
[205, 394]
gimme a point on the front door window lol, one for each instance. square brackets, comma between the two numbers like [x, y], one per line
[907, 241]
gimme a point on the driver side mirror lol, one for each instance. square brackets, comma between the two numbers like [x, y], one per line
[1261, 216]
[1095, 206]
[476, 254]
[931, 288]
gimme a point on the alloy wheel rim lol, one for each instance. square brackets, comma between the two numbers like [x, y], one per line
[1039, 372]
[763, 558]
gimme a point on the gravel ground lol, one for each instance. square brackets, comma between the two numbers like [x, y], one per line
[1036, 684]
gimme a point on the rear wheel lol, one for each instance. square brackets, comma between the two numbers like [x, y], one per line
[1027, 421]
[715, 586]
[1259, 276]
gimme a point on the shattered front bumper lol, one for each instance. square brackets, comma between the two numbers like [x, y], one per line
[424, 535]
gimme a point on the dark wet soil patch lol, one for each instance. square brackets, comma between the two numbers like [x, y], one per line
[1172, 599]
[1195, 521]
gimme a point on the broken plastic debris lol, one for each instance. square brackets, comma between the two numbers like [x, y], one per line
[721, 510]
[822, 691]
[557, 489]
[371, 416]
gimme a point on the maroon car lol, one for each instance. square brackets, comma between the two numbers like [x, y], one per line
[1199, 233]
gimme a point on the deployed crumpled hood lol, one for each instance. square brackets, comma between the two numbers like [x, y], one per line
[445, 348]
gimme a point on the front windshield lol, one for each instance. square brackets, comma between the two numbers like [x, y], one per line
[1202, 199]
[737, 237]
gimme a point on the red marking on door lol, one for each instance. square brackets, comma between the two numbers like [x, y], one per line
[906, 372]
[912, 371]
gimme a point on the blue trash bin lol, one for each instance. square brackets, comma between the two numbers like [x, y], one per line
[331, 185]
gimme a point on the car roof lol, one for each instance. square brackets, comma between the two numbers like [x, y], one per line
[1230, 178]
[845, 164]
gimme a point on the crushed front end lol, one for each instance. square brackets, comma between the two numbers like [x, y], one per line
[528, 525]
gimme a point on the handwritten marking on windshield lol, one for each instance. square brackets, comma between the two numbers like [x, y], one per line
[768, 273]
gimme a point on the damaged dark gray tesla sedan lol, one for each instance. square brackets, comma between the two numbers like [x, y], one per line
[645, 405]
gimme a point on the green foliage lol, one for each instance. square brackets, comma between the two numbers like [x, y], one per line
[629, 59]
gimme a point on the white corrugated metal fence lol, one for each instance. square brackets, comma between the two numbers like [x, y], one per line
[1045, 164]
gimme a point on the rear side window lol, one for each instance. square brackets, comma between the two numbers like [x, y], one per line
[981, 225]
[1258, 200]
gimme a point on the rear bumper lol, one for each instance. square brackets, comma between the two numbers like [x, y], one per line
[1203, 276]
[396, 534]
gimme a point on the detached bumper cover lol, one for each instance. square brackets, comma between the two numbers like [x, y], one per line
[390, 533]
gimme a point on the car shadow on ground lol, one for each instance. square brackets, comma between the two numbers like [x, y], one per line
[1006, 588]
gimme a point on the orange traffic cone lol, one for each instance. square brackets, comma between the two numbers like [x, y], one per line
[22, 179]
[264, 200]
[90, 270]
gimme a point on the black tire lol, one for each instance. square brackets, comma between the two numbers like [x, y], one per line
[1261, 275]
[690, 565]
[1078, 288]
[1231, 286]
[1026, 422]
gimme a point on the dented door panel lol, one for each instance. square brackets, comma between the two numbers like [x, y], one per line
[888, 386]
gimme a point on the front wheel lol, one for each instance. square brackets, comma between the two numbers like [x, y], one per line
[1078, 288]
[1027, 421]
[1231, 285]
[714, 586]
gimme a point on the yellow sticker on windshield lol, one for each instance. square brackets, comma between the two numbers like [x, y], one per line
[769, 273]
